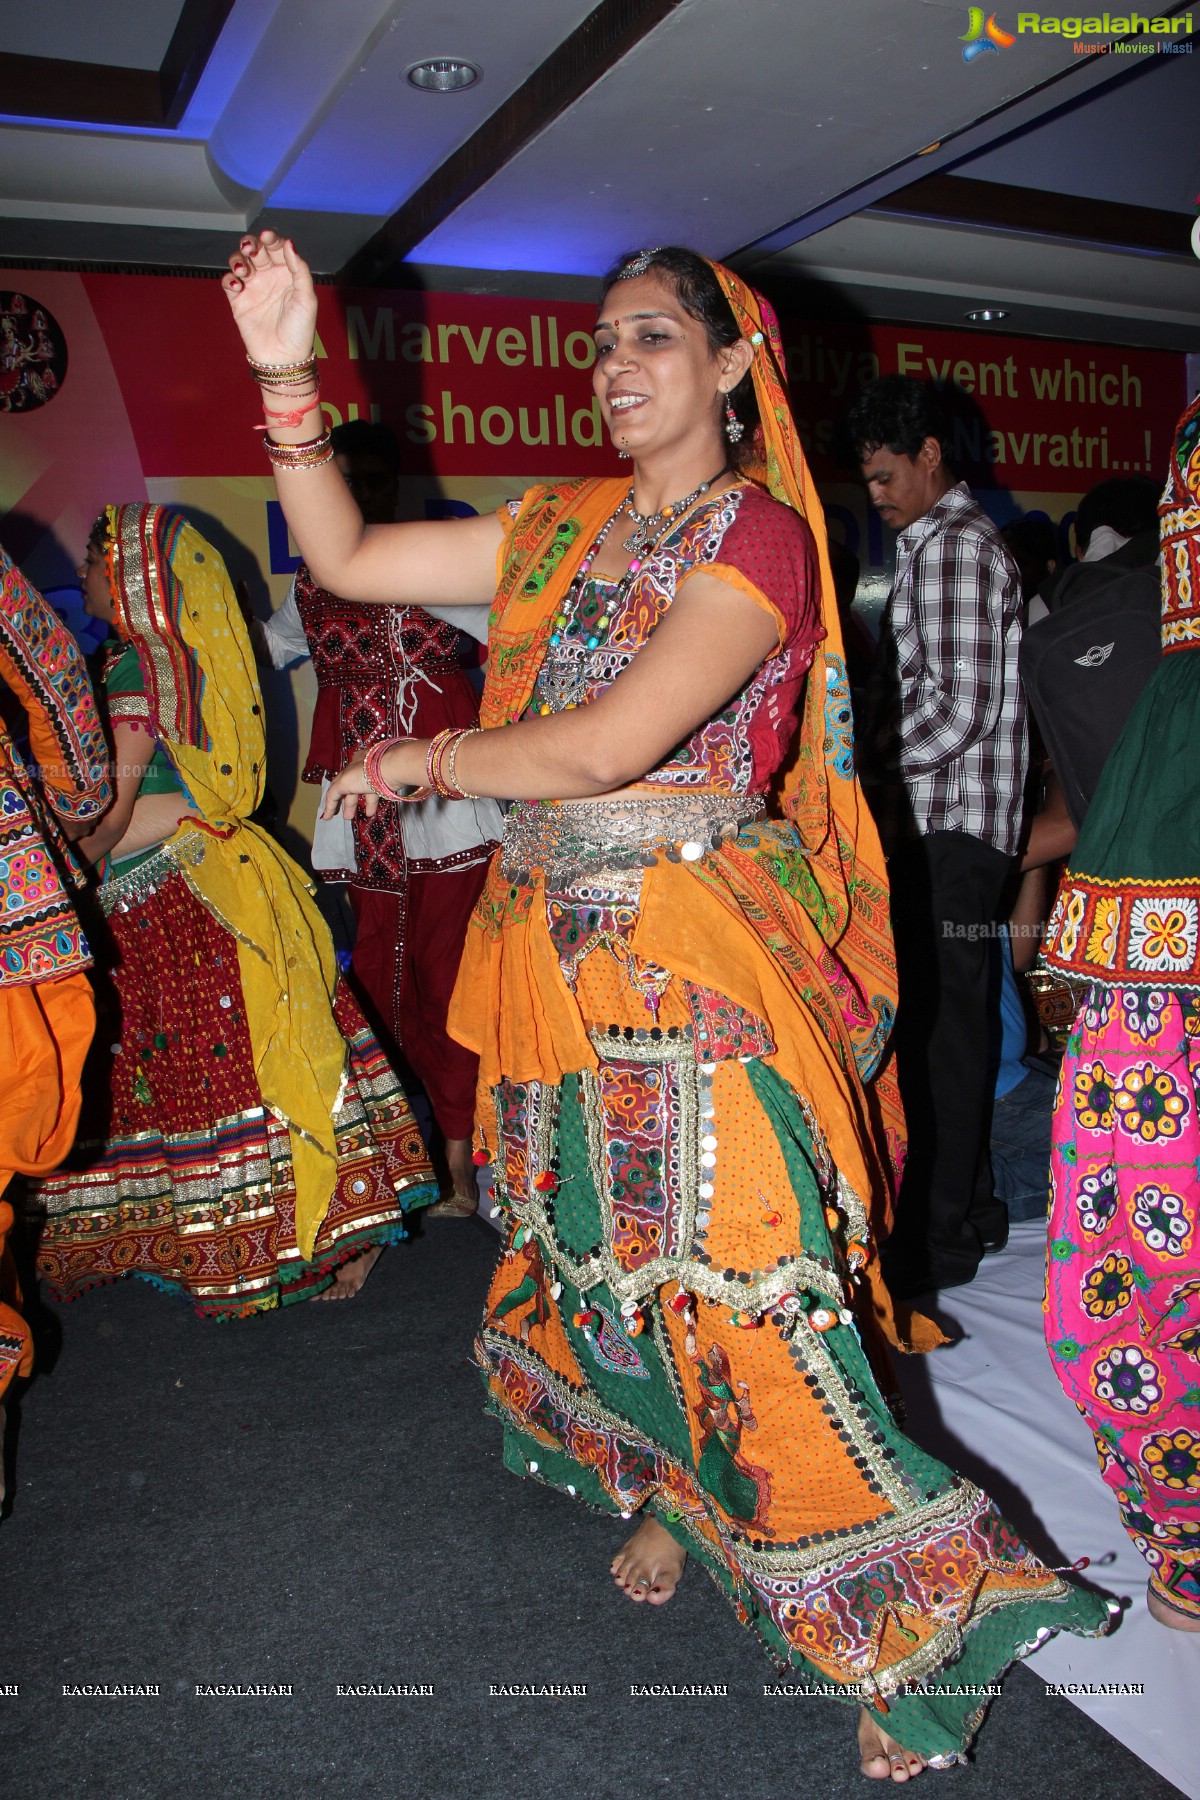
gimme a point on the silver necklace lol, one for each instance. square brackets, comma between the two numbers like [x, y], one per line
[648, 525]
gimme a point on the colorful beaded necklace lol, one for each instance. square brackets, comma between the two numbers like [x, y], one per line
[569, 622]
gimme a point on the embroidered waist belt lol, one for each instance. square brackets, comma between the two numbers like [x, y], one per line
[571, 838]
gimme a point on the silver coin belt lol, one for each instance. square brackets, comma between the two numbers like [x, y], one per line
[121, 893]
[569, 839]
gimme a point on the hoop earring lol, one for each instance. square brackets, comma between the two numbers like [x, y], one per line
[734, 429]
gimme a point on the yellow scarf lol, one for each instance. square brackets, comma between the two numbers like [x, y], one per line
[175, 603]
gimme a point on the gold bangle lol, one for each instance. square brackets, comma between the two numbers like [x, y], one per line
[294, 368]
[309, 455]
[286, 378]
[451, 764]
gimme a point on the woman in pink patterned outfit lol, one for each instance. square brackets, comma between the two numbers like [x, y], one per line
[1123, 1291]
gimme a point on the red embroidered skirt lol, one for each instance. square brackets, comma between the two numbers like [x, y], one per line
[180, 1173]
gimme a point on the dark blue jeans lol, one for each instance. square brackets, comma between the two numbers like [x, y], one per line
[1021, 1123]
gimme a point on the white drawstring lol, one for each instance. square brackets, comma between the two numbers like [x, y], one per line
[410, 674]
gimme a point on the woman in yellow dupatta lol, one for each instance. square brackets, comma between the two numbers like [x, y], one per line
[245, 1143]
[680, 984]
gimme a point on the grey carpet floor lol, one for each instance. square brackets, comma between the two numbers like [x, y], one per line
[315, 1498]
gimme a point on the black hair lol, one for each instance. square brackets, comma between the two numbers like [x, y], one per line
[1127, 503]
[367, 437]
[1033, 546]
[700, 294]
[1035, 538]
[896, 413]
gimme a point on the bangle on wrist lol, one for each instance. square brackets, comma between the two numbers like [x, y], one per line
[285, 375]
[458, 792]
[435, 750]
[441, 759]
[309, 455]
[373, 770]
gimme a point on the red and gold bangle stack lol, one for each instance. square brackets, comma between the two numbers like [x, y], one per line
[298, 380]
[300, 456]
[282, 378]
[373, 770]
[441, 762]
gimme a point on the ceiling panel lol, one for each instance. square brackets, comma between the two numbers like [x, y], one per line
[1136, 141]
[382, 137]
[240, 37]
[308, 52]
[728, 121]
[132, 36]
[885, 267]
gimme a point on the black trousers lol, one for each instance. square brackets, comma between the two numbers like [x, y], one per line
[946, 894]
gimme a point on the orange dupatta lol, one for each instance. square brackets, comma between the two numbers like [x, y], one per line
[819, 791]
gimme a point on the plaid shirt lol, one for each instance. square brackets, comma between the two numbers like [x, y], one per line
[947, 708]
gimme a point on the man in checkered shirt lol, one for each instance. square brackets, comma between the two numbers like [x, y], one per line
[944, 759]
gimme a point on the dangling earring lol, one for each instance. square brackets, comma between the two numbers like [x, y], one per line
[623, 455]
[734, 429]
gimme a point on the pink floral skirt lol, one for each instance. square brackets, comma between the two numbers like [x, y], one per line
[1123, 1283]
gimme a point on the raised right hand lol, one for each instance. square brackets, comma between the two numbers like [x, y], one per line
[271, 295]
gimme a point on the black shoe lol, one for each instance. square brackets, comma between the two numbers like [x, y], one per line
[993, 1232]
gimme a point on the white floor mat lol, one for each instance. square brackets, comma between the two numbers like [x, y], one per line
[991, 1407]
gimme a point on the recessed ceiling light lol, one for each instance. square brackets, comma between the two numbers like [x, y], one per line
[443, 75]
[987, 315]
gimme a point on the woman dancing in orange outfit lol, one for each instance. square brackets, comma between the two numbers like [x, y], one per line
[680, 1002]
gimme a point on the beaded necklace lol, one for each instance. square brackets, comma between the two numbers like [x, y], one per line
[567, 692]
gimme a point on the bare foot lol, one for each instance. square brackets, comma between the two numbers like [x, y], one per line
[881, 1757]
[648, 1567]
[351, 1276]
[1171, 1616]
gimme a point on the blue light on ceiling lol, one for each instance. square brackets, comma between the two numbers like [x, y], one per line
[93, 130]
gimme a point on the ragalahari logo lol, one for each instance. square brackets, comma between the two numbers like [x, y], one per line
[984, 34]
